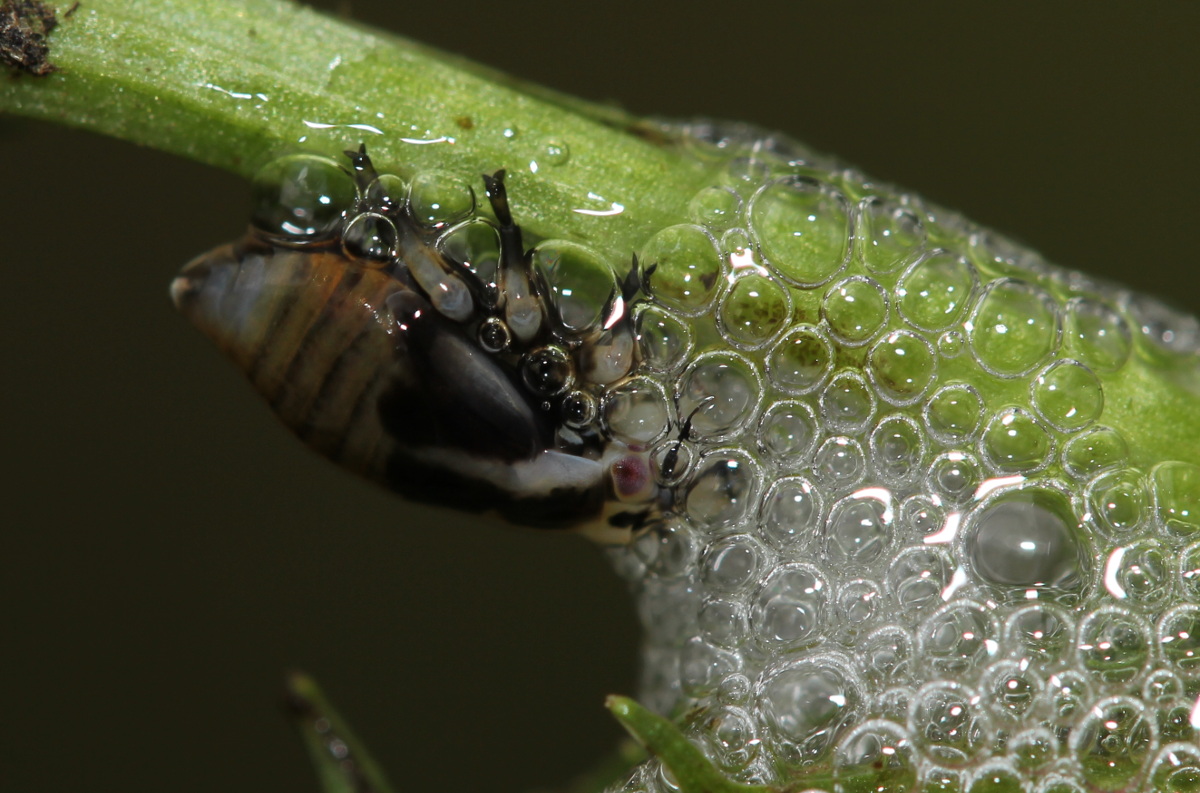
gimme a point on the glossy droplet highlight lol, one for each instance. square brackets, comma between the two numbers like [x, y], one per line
[722, 491]
[803, 228]
[902, 365]
[1067, 395]
[887, 237]
[934, 291]
[953, 413]
[302, 196]
[663, 339]
[1177, 498]
[686, 273]
[855, 309]
[1015, 442]
[439, 198]
[753, 311]
[719, 392]
[581, 283]
[636, 411]
[1014, 327]
[715, 207]
[1097, 334]
[801, 360]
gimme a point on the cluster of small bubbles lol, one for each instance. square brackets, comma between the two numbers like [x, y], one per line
[917, 549]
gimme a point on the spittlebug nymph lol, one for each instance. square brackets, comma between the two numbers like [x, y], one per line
[426, 351]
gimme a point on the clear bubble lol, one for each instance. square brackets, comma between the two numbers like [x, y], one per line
[719, 392]
[855, 309]
[667, 550]
[953, 413]
[753, 311]
[1038, 635]
[1162, 687]
[886, 236]
[840, 463]
[957, 638]
[702, 666]
[1093, 451]
[1138, 574]
[1028, 539]
[951, 344]
[893, 703]
[1189, 572]
[954, 476]
[716, 207]
[810, 702]
[847, 403]
[857, 603]
[916, 579]
[687, 271]
[1097, 334]
[723, 490]
[439, 199]
[936, 779]
[902, 365]
[995, 777]
[934, 291]
[1067, 395]
[636, 411]
[1033, 750]
[898, 449]
[1068, 695]
[475, 244]
[1176, 769]
[859, 528]
[664, 340]
[732, 564]
[791, 511]
[371, 237]
[803, 229]
[789, 608]
[1179, 639]
[885, 654]
[877, 754]
[1114, 644]
[921, 516]
[580, 281]
[1015, 442]
[387, 193]
[1162, 328]
[734, 738]
[1113, 743]
[723, 622]
[302, 196]
[1119, 502]
[1011, 689]
[1177, 498]
[788, 431]
[801, 360]
[1014, 327]
[947, 723]
[673, 460]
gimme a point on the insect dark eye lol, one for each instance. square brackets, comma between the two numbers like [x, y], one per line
[302, 197]
[370, 236]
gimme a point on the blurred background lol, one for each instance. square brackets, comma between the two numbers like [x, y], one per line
[168, 550]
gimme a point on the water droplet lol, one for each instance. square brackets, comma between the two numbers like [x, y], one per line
[720, 393]
[732, 563]
[723, 489]
[801, 361]
[301, 196]
[789, 607]
[934, 291]
[1015, 442]
[1114, 644]
[555, 152]
[723, 622]
[788, 431]
[1162, 687]
[636, 411]
[947, 723]
[859, 528]
[954, 476]
[857, 603]
[475, 245]
[886, 237]
[1119, 502]
[885, 655]
[803, 228]
[581, 283]
[715, 207]
[1163, 328]
[1011, 689]
[687, 268]
[1093, 451]
[898, 449]
[753, 311]
[995, 777]
[438, 198]
[1097, 334]
[847, 404]
[809, 703]
[1177, 497]
[876, 753]
[922, 516]
[1067, 395]
[1014, 327]
[1028, 539]
[854, 309]
[1068, 695]
[951, 344]
[953, 413]
[902, 365]
[958, 637]
[387, 193]
[370, 237]
[790, 512]
[733, 738]
[1179, 638]
[547, 371]
[663, 339]
[1033, 750]
[1113, 743]
[702, 666]
[1189, 572]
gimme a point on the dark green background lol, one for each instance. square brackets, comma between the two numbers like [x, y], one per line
[168, 550]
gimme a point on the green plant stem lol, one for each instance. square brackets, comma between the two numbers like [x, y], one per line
[233, 83]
